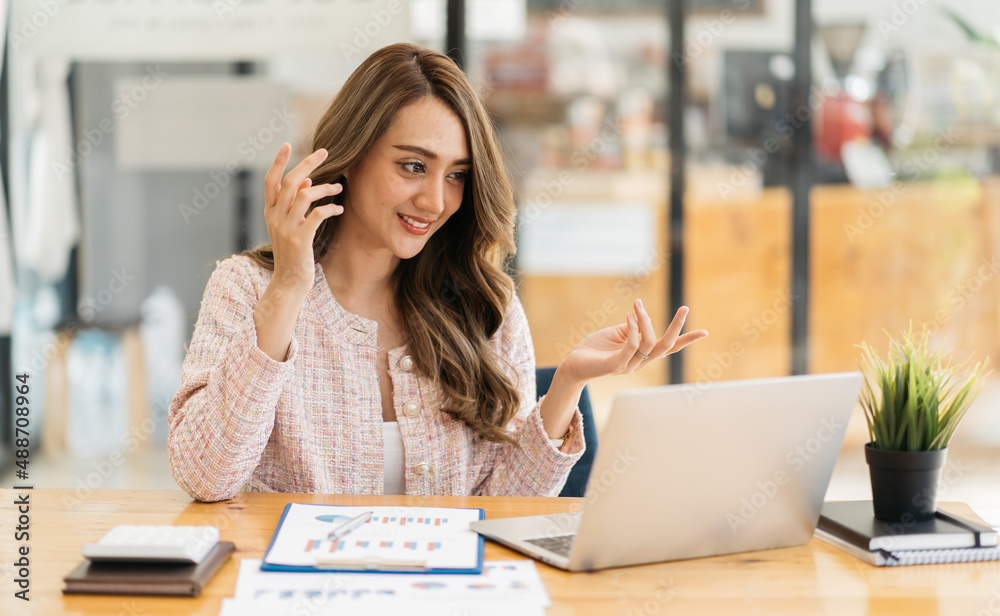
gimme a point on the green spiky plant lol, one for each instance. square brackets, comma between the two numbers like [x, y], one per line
[970, 32]
[913, 400]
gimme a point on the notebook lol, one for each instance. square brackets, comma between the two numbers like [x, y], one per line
[885, 558]
[852, 527]
[855, 522]
[393, 539]
[146, 578]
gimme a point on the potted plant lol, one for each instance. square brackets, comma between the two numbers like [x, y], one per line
[913, 401]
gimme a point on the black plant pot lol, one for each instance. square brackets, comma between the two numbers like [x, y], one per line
[905, 483]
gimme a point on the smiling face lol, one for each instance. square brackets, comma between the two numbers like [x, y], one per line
[409, 183]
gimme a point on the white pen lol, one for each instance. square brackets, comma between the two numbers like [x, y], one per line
[349, 525]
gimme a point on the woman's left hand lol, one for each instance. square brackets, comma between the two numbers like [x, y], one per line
[625, 348]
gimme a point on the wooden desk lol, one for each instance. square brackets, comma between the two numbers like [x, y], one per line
[812, 579]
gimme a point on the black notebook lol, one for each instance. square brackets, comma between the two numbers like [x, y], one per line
[852, 527]
[145, 578]
[855, 521]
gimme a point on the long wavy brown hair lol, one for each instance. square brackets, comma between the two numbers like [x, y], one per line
[454, 293]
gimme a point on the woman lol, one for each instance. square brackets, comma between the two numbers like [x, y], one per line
[377, 345]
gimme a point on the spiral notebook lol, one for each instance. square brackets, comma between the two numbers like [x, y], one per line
[393, 539]
[885, 558]
[852, 527]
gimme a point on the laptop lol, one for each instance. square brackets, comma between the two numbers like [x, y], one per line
[686, 471]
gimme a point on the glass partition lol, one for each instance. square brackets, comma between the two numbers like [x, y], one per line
[580, 99]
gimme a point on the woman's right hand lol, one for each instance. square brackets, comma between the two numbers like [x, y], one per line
[286, 203]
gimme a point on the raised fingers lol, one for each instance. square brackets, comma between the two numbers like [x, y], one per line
[290, 183]
[684, 340]
[677, 324]
[272, 179]
[645, 328]
[648, 341]
[631, 342]
[663, 345]
[672, 340]
[309, 194]
[321, 213]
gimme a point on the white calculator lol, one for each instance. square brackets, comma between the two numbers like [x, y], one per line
[180, 544]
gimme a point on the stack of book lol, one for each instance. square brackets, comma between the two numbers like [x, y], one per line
[853, 527]
[150, 560]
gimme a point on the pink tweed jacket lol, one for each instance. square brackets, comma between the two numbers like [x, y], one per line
[313, 423]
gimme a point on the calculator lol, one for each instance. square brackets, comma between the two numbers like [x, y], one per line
[157, 543]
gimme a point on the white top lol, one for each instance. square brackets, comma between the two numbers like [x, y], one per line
[395, 476]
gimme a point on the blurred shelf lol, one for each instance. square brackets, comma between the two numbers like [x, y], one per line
[146, 468]
[925, 252]
[526, 108]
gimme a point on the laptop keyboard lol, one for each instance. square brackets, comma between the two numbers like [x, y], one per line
[560, 544]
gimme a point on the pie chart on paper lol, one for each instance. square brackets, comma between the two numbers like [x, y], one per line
[334, 519]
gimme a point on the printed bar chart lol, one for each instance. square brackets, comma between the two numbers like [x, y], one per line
[437, 538]
[403, 521]
[338, 546]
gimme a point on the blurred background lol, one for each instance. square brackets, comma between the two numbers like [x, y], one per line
[806, 175]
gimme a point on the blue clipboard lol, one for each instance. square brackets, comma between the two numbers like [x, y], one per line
[372, 565]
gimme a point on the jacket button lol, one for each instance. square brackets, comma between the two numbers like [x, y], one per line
[423, 468]
[406, 363]
[411, 409]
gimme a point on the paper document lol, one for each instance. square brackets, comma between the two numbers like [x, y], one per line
[501, 580]
[394, 538]
[504, 588]
[380, 607]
